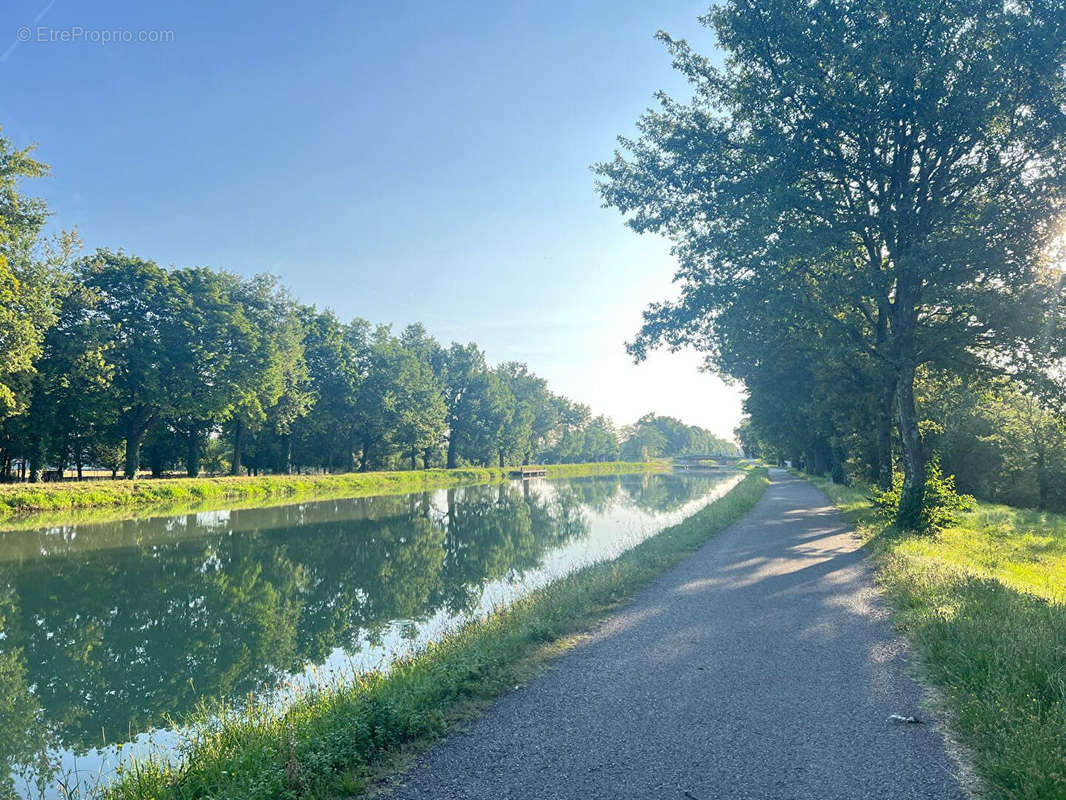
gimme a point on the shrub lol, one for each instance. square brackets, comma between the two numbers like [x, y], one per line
[941, 504]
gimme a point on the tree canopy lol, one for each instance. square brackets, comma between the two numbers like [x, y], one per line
[862, 189]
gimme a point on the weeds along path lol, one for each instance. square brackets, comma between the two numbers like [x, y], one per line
[761, 667]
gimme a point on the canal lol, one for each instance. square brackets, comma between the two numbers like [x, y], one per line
[113, 632]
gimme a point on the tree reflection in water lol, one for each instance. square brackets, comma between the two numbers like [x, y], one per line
[111, 629]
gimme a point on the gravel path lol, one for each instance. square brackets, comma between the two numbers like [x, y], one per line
[762, 667]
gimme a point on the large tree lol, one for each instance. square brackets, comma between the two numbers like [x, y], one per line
[463, 371]
[400, 407]
[269, 372]
[898, 163]
[335, 368]
[131, 312]
[72, 406]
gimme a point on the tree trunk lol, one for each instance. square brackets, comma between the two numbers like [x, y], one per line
[414, 459]
[364, 460]
[157, 461]
[238, 447]
[501, 459]
[134, 435]
[36, 459]
[35, 468]
[285, 466]
[885, 403]
[837, 457]
[909, 514]
[883, 467]
[64, 458]
[192, 453]
[452, 454]
[427, 456]
[1042, 482]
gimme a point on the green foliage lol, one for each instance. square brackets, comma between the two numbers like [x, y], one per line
[942, 505]
[654, 436]
[29, 286]
[1002, 443]
[849, 201]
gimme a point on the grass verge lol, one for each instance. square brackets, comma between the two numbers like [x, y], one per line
[984, 604]
[174, 494]
[335, 741]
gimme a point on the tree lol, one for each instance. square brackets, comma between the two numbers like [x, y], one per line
[131, 308]
[901, 161]
[654, 436]
[27, 286]
[601, 440]
[535, 415]
[420, 423]
[207, 329]
[72, 406]
[1000, 442]
[335, 370]
[429, 352]
[270, 374]
[462, 370]
[399, 406]
[568, 439]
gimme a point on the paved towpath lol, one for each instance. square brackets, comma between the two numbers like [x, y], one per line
[762, 667]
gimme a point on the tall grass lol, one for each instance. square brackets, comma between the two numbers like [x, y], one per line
[176, 493]
[984, 603]
[333, 741]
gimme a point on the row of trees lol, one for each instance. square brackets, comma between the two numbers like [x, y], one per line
[112, 360]
[864, 201]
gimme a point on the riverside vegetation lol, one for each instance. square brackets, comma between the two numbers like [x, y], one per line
[336, 739]
[984, 604]
[172, 495]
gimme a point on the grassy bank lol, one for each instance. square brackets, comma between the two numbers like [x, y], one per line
[176, 493]
[984, 604]
[333, 742]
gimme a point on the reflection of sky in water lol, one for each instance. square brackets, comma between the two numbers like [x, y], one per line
[617, 526]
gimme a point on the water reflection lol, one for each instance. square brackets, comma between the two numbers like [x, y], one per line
[108, 630]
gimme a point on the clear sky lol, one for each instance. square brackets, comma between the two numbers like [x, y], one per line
[393, 160]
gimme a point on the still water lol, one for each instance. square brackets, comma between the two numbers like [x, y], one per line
[111, 631]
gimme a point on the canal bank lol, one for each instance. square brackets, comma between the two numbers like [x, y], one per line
[337, 738]
[43, 503]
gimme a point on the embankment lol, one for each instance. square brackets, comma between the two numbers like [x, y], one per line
[174, 494]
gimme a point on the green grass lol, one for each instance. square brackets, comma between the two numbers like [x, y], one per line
[174, 494]
[338, 740]
[984, 604]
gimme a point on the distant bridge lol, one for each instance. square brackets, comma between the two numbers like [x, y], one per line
[705, 460]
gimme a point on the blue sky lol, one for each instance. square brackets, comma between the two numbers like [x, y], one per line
[397, 161]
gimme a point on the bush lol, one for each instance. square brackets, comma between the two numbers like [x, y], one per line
[941, 505]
